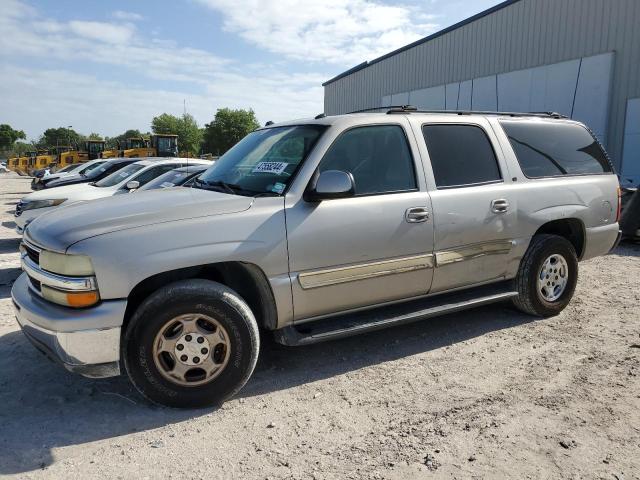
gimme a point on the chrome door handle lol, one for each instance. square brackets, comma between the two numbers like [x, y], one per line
[499, 205]
[416, 215]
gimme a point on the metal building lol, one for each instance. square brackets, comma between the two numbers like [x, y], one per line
[580, 58]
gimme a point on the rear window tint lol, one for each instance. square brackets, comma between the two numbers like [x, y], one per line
[461, 155]
[555, 149]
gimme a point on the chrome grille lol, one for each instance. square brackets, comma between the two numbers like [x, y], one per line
[32, 253]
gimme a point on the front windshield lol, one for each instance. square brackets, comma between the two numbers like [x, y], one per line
[88, 168]
[69, 168]
[117, 177]
[263, 162]
[167, 180]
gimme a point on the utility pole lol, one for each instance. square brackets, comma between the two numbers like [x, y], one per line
[69, 135]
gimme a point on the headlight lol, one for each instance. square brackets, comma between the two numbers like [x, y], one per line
[72, 265]
[42, 203]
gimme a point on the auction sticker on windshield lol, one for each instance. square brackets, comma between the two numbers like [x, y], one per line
[270, 167]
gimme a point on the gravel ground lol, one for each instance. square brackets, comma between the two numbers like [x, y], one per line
[488, 393]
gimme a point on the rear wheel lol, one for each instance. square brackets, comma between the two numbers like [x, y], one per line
[547, 276]
[193, 343]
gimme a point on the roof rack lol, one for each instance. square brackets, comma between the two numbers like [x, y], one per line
[411, 109]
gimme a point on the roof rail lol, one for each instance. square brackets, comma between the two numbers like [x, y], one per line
[403, 108]
[412, 109]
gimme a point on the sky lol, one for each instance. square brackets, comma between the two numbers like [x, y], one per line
[108, 66]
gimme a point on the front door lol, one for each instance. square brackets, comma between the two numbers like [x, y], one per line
[369, 249]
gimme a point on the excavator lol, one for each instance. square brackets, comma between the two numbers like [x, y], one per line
[159, 145]
[92, 149]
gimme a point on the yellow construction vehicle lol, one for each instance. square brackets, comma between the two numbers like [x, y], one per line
[12, 164]
[49, 158]
[24, 162]
[160, 145]
[92, 150]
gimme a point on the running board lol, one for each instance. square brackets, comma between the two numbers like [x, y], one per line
[346, 325]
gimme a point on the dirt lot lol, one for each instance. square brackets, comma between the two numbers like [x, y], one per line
[489, 393]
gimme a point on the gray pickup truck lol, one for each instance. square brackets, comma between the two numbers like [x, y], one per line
[315, 230]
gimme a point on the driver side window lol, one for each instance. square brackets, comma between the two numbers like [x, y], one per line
[377, 156]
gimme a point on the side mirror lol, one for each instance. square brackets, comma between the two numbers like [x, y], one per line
[331, 184]
[133, 184]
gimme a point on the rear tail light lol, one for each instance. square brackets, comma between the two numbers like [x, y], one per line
[619, 204]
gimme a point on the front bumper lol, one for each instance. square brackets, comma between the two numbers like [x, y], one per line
[84, 341]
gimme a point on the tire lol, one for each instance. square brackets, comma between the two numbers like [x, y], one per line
[231, 336]
[533, 300]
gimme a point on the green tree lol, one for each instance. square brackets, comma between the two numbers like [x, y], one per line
[19, 148]
[186, 127]
[53, 137]
[94, 136]
[8, 136]
[112, 142]
[228, 128]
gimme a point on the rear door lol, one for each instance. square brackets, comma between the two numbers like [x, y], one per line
[474, 211]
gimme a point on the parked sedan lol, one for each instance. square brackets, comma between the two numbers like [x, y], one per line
[125, 180]
[175, 178]
[104, 170]
[42, 178]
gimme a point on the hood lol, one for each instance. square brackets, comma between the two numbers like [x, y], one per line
[65, 191]
[68, 179]
[62, 227]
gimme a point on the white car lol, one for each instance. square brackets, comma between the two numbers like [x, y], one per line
[123, 181]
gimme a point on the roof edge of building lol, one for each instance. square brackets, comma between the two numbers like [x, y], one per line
[437, 34]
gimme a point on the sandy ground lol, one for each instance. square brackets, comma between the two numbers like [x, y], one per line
[489, 393]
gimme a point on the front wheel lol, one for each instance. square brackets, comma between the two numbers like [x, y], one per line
[547, 276]
[193, 343]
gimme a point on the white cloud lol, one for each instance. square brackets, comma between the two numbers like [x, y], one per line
[103, 31]
[36, 99]
[333, 31]
[128, 16]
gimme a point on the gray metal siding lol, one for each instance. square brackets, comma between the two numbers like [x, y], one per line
[525, 34]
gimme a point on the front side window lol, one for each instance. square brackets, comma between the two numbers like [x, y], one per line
[377, 156]
[119, 175]
[461, 155]
[263, 162]
[549, 149]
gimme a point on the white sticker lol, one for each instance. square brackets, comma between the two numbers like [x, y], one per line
[124, 174]
[166, 184]
[270, 167]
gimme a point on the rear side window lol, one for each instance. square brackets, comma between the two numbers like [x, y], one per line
[461, 155]
[546, 149]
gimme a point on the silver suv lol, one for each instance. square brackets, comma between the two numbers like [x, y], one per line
[316, 230]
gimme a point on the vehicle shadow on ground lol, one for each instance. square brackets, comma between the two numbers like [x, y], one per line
[9, 245]
[44, 407]
[628, 248]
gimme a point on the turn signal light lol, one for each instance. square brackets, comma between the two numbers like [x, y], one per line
[84, 299]
[70, 299]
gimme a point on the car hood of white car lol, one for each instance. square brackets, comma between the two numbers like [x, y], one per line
[73, 193]
[62, 227]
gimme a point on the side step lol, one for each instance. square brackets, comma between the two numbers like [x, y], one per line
[346, 325]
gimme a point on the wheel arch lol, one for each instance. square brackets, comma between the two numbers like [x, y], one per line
[247, 279]
[572, 229]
